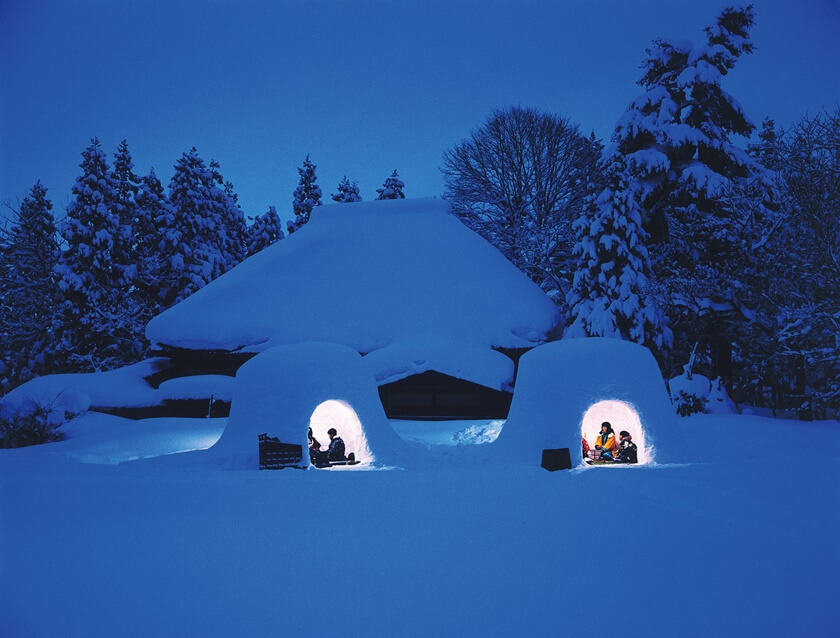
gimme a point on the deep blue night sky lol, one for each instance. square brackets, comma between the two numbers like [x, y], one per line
[364, 87]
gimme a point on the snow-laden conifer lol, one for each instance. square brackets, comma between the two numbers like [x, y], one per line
[702, 196]
[233, 229]
[265, 230]
[151, 206]
[609, 296]
[392, 188]
[126, 183]
[28, 254]
[347, 192]
[307, 195]
[203, 229]
[96, 326]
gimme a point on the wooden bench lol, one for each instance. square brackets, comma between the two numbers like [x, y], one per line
[275, 455]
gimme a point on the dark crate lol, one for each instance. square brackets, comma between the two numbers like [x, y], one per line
[275, 455]
[559, 459]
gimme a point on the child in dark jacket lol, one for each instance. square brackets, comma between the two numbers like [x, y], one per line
[627, 451]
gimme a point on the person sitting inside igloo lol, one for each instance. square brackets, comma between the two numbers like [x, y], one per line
[606, 447]
[627, 450]
[336, 449]
[316, 456]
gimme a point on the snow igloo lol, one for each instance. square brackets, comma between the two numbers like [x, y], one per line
[566, 389]
[285, 390]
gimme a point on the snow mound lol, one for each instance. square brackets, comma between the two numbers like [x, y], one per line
[478, 434]
[557, 385]
[75, 393]
[285, 390]
[711, 396]
[698, 385]
[368, 276]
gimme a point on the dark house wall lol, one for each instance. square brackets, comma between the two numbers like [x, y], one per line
[434, 395]
[430, 395]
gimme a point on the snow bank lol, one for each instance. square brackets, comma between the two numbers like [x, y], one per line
[367, 276]
[473, 362]
[279, 391]
[559, 382]
[122, 388]
[201, 386]
[104, 439]
[125, 387]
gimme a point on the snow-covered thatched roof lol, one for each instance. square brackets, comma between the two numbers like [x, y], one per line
[398, 273]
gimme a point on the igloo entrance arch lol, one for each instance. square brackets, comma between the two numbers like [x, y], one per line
[342, 417]
[621, 416]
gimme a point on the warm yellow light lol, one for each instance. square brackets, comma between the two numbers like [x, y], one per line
[622, 416]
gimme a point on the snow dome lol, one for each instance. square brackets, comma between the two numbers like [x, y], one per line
[566, 389]
[403, 279]
[285, 390]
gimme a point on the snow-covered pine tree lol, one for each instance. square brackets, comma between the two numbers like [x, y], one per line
[151, 206]
[126, 185]
[265, 230]
[307, 195]
[233, 229]
[706, 232]
[96, 326]
[28, 254]
[203, 230]
[347, 192]
[392, 188]
[609, 296]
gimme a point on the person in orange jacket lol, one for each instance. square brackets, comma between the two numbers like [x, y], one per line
[606, 442]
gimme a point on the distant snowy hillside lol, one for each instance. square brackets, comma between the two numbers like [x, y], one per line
[402, 272]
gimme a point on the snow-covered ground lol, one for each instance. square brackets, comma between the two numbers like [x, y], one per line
[739, 540]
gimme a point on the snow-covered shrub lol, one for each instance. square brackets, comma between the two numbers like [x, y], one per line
[37, 422]
[718, 400]
[689, 393]
[688, 404]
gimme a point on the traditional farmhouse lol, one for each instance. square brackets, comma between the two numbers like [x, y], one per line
[440, 316]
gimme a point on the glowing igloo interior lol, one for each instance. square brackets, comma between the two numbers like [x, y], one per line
[622, 416]
[342, 417]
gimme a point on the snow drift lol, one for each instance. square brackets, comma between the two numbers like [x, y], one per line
[557, 385]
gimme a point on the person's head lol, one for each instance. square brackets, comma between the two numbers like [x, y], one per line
[331, 433]
[624, 434]
[606, 428]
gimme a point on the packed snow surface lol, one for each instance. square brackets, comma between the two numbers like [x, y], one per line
[735, 540]
[399, 273]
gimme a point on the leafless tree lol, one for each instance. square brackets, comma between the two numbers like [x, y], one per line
[520, 180]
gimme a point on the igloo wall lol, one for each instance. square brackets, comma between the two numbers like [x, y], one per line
[559, 382]
[279, 391]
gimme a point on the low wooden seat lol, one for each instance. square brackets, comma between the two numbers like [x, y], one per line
[275, 455]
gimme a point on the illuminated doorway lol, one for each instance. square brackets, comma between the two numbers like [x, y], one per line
[343, 418]
[621, 416]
